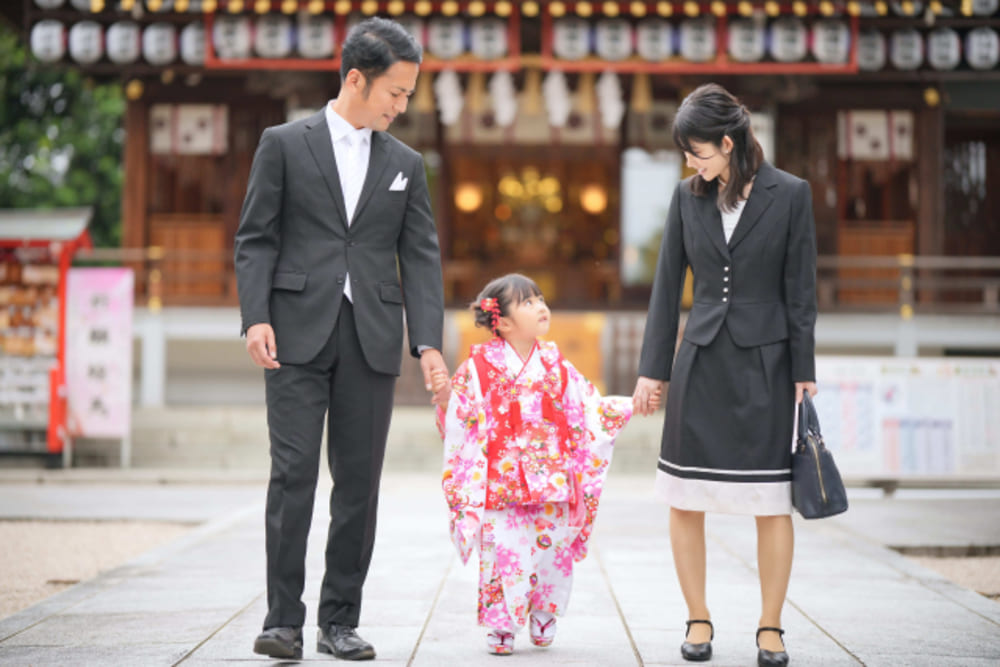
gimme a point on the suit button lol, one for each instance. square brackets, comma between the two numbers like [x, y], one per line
[725, 289]
[725, 268]
[725, 279]
[724, 299]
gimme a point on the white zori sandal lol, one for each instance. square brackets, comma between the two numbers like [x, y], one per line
[543, 628]
[499, 642]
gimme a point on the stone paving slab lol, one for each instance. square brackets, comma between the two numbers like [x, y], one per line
[200, 599]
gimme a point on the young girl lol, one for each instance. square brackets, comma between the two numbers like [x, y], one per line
[527, 444]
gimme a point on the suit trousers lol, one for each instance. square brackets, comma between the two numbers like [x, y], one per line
[357, 402]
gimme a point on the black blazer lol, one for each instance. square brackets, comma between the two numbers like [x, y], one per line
[761, 285]
[294, 248]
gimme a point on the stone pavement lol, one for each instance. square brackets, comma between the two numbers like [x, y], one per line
[199, 600]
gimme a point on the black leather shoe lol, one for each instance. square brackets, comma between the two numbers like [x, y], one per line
[767, 658]
[698, 652]
[343, 642]
[279, 643]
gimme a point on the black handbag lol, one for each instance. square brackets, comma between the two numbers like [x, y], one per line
[817, 489]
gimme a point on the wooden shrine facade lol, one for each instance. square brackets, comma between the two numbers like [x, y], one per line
[542, 124]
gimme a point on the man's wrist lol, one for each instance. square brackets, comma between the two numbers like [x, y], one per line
[423, 348]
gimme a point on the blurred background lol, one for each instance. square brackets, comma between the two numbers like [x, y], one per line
[127, 129]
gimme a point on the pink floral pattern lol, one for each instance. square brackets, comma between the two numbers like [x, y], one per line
[527, 448]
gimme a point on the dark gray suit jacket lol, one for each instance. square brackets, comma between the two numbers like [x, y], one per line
[294, 247]
[761, 285]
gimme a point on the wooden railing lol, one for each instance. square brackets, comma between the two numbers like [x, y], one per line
[913, 284]
[905, 283]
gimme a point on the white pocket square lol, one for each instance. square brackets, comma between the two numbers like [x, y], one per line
[398, 183]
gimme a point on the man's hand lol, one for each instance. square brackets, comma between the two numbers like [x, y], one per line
[802, 387]
[433, 366]
[646, 397]
[260, 345]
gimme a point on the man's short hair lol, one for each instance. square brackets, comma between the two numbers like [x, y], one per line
[375, 45]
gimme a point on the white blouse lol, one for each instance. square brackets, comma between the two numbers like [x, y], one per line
[730, 218]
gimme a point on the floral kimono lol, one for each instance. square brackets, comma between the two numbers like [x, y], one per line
[527, 446]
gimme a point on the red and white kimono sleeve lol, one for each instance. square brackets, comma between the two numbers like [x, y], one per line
[464, 429]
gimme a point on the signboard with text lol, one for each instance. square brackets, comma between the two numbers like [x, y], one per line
[99, 352]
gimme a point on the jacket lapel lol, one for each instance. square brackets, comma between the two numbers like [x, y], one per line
[317, 136]
[377, 163]
[758, 202]
[711, 220]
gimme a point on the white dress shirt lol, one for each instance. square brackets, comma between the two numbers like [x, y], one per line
[352, 149]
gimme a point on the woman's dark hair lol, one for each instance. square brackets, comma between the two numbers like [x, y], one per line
[707, 115]
[375, 45]
[508, 290]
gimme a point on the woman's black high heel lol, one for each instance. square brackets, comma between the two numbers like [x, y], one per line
[697, 652]
[767, 658]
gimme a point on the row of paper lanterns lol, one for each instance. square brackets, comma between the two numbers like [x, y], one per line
[238, 37]
[942, 49]
[900, 8]
[274, 36]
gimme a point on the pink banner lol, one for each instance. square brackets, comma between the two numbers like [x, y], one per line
[99, 352]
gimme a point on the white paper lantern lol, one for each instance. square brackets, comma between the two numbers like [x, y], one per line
[831, 42]
[123, 42]
[697, 38]
[789, 40]
[315, 36]
[488, 38]
[654, 39]
[944, 49]
[871, 50]
[906, 49]
[49, 4]
[982, 48]
[159, 44]
[231, 37]
[86, 42]
[193, 43]
[985, 7]
[746, 40]
[613, 39]
[273, 36]
[446, 37]
[48, 40]
[570, 38]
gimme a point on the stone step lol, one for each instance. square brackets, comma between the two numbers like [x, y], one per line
[235, 437]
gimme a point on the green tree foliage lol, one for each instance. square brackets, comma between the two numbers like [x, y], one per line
[60, 139]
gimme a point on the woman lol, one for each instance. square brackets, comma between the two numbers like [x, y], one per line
[747, 355]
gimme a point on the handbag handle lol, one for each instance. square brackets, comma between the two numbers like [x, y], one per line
[808, 419]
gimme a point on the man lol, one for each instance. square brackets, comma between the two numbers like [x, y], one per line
[332, 204]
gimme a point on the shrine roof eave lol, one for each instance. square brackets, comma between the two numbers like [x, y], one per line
[30, 226]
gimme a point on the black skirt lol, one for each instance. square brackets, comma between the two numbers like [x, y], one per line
[727, 434]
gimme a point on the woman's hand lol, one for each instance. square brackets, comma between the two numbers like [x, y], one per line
[804, 386]
[646, 397]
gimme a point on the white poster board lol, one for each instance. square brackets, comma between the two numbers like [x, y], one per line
[905, 416]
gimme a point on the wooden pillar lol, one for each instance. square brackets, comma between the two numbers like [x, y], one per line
[930, 171]
[135, 188]
[136, 176]
[930, 200]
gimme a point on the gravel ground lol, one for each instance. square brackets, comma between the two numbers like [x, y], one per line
[979, 573]
[41, 558]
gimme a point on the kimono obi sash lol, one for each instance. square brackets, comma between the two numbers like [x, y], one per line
[528, 440]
